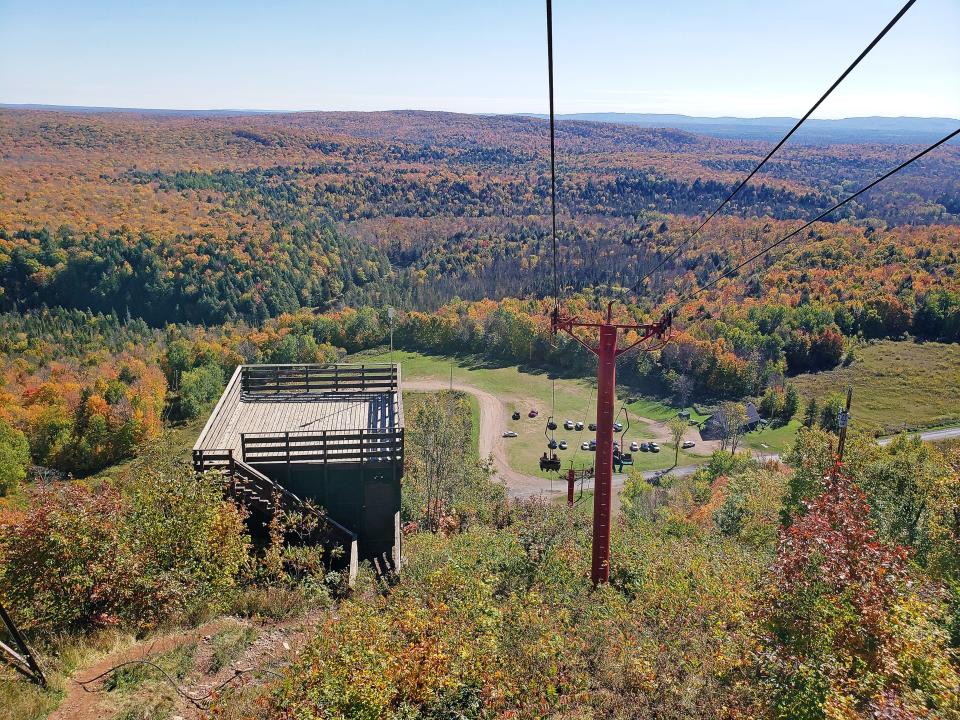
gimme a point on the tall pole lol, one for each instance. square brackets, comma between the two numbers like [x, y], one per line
[607, 353]
[843, 421]
[603, 470]
[390, 313]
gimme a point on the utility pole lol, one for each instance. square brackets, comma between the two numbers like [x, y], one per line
[390, 313]
[607, 354]
[842, 422]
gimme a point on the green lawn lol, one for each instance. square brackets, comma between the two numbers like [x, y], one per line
[659, 410]
[897, 385]
[575, 399]
[772, 439]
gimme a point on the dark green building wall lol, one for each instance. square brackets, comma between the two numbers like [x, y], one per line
[364, 498]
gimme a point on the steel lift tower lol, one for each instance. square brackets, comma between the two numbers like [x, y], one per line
[607, 352]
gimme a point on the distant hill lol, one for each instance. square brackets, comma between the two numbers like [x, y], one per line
[890, 130]
[813, 132]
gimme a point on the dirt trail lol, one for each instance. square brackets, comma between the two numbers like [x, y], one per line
[275, 644]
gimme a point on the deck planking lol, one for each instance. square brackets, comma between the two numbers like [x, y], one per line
[313, 412]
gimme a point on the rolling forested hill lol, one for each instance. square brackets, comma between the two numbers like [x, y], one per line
[143, 256]
[176, 217]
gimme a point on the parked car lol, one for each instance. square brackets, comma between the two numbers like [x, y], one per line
[593, 445]
[552, 444]
[584, 445]
[593, 427]
[568, 424]
[509, 433]
[579, 426]
[688, 444]
[563, 444]
[644, 447]
[617, 427]
[532, 413]
[654, 448]
[634, 446]
[516, 415]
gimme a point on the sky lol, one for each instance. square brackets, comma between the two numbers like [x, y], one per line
[745, 58]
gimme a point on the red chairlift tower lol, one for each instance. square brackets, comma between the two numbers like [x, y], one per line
[607, 353]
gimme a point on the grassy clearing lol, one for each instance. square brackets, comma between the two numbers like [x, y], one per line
[897, 385]
[770, 439]
[521, 391]
[659, 410]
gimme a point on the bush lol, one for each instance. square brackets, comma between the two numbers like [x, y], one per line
[77, 559]
[198, 388]
[751, 507]
[14, 457]
[845, 626]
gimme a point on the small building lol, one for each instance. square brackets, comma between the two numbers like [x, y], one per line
[713, 426]
[332, 434]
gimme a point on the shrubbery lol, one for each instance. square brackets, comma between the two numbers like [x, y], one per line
[77, 558]
[14, 457]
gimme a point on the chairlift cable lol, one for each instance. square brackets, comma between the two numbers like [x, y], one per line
[553, 156]
[733, 270]
[636, 287]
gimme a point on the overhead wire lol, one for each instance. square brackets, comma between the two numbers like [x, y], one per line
[889, 26]
[584, 424]
[553, 156]
[793, 233]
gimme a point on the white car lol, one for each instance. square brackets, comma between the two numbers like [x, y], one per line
[509, 433]
[568, 424]
[634, 446]
[584, 446]
[688, 444]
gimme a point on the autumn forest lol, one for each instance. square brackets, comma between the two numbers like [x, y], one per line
[144, 255]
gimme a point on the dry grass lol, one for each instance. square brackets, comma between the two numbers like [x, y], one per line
[897, 385]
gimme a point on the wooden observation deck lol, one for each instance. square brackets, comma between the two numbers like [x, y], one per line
[329, 433]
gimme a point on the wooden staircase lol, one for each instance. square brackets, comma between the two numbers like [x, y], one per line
[265, 497]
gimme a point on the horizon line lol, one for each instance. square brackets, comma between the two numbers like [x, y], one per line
[261, 111]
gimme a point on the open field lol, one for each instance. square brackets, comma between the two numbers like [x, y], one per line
[772, 440]
[897, 385]
[522, 391]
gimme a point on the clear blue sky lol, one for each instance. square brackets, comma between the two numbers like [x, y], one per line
[698, 57]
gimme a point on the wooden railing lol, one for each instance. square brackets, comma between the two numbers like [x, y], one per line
[326, 446]
[276, 379]
[254, 490]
